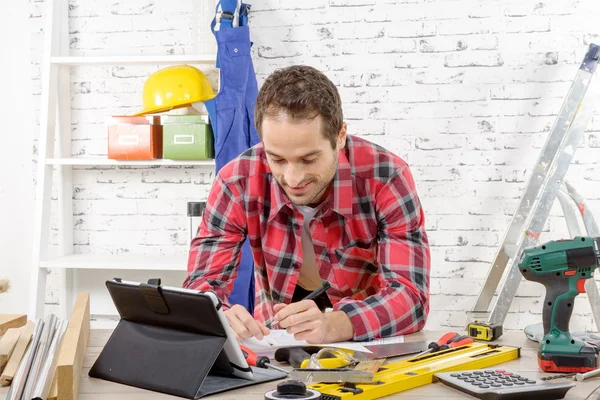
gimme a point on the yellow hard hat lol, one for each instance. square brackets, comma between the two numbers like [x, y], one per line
[174, 87]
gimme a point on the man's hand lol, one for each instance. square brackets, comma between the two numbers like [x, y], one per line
[244, 325]
[306, 322]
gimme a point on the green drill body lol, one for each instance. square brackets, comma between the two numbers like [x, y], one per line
[562, 266]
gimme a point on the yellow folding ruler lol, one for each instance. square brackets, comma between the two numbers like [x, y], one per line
[418, 371]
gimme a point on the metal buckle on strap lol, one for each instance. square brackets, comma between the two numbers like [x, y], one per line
[220, 15]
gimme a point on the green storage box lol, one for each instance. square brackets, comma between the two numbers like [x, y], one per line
[187, 137]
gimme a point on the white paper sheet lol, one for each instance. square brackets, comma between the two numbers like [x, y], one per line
[280, 338]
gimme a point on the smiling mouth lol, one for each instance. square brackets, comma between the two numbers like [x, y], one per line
[299, 188]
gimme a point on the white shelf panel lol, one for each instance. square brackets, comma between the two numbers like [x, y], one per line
[107, 161]
[175, 59]
[122, 262]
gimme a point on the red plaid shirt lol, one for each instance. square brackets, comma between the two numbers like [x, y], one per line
[368, 235]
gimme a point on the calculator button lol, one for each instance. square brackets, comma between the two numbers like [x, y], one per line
[519, 383]
[530, 382]
[496, 385]
[454, 375]
[484, 386]
[462, 377]
[507, 384]
[469, 380]
[467, 373]
[477, 372]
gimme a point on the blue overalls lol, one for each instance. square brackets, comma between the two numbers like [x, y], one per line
[232, 114]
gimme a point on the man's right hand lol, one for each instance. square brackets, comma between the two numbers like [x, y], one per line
[244, 325]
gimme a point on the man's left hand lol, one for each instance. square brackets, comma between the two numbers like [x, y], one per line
[306, 322]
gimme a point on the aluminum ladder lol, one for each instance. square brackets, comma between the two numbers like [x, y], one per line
[545, 184]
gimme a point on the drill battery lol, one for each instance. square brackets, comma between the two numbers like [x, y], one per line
[585, 361]
[484, 331]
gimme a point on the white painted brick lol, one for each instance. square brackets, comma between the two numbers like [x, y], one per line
[451, 303]
[279, 50]
[454, 93]
[470, 125]
[437, 77]
[435, 174]
[382, 79]
[525, 25]
[459, 287]
[525, 124]
[483, 10]
[106, 24]
[359, 31]
[271, 18]
[411, 29]
[362, 95]
[552, 41]
[341, 15]
[458, 43]
[309, 34]
[420, 60]
[300, 5]
[392, 46]
[474, 59]
[161, 238]
[353, 47]
[463, 26]
[272, 5]
[416, 127]
[466, 223]
[412, 94]
[350, 3]
[325, 50]
[354, 112]
[563, 7]
[366, 128]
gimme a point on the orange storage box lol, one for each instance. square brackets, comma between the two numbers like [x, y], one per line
[135, 138]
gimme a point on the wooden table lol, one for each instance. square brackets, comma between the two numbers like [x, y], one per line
[95, 389]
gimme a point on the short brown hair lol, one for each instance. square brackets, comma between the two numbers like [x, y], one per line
[301, 92]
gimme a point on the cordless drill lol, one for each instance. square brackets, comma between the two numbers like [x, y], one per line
[562, 266]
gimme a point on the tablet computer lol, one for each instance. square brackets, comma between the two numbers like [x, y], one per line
[181, 309]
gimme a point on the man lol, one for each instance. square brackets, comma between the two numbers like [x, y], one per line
[317, 205]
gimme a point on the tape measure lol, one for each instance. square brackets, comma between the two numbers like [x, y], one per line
[484, 331]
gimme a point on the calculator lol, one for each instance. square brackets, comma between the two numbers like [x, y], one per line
[502, 384]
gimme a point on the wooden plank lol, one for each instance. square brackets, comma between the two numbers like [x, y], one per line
[53, 394]
[8, 321]
[7, 345]
[72, 351]
[17, 354]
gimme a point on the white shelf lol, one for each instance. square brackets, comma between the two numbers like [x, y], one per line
[122, 262]
[108, 161]
[91, 60]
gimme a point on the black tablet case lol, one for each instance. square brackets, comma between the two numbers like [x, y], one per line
[169, 342]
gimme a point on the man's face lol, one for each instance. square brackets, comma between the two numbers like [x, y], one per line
[300, 157]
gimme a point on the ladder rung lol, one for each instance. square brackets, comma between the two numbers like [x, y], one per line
[174, 59]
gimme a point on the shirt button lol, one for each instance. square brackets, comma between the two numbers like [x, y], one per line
[296, 226]
[295, 265]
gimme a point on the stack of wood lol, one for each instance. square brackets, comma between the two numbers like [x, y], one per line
[43, 360]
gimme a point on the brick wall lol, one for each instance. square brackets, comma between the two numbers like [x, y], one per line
[465, 91]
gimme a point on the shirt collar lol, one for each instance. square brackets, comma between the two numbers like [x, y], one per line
[339, 200]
